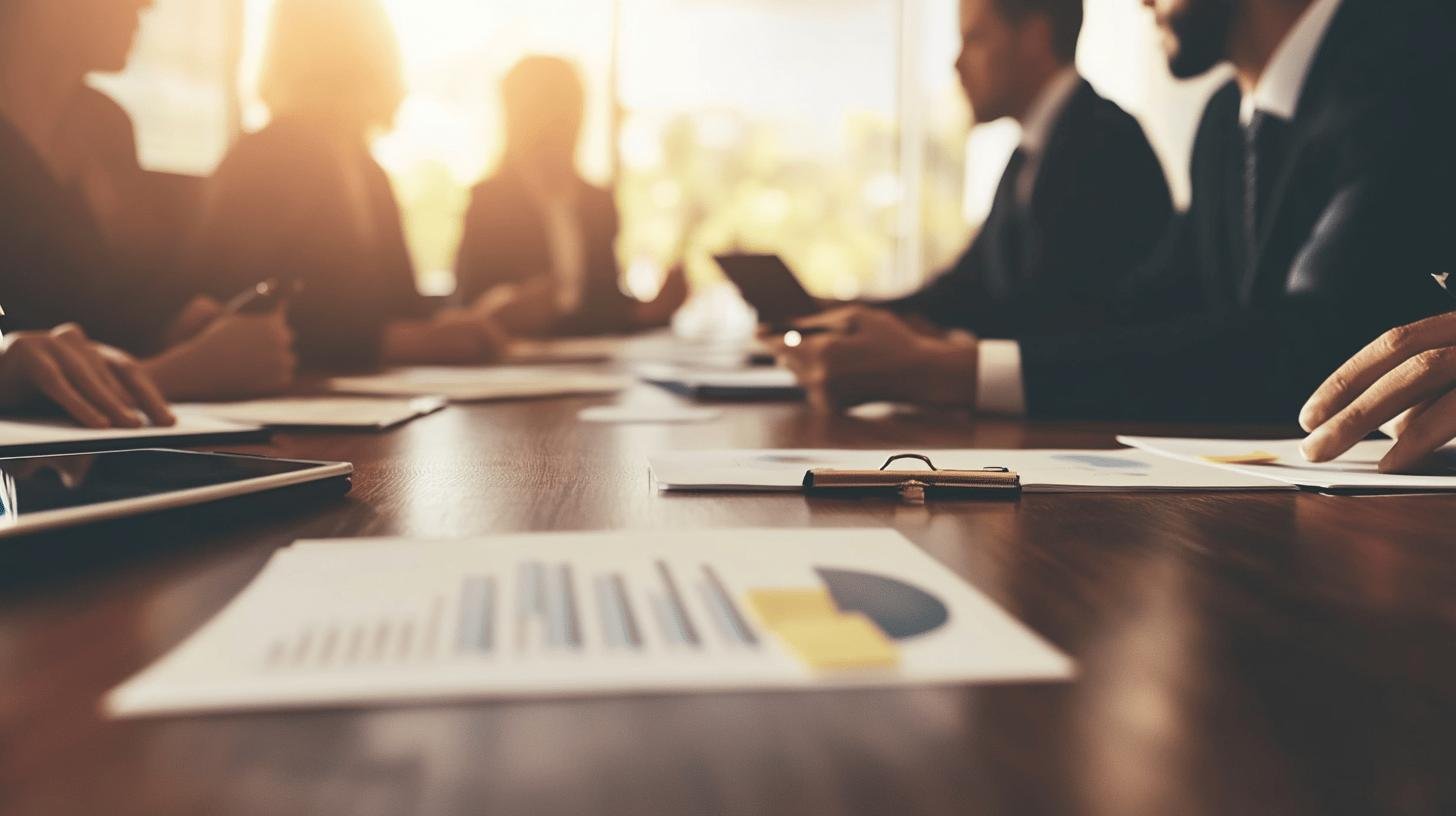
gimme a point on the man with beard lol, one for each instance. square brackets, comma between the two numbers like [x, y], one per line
[1318, 190]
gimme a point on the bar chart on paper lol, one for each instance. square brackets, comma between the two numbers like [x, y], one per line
[379, 621]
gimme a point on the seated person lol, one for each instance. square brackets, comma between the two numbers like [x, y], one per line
[57, 265]
[1313, 199]
[539, 240]
[304, 200]
[1082, 200]
[1404, 384]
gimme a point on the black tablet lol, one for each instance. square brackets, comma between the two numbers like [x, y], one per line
[769, 286]
[49, 492]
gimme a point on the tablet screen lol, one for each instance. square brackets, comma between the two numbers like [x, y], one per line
[41, 483]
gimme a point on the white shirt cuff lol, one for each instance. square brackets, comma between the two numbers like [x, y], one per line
[999, 389]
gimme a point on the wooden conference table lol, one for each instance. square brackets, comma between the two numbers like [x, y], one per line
[1239, 654]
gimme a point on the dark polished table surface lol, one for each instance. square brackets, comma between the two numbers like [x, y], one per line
[1239, 654]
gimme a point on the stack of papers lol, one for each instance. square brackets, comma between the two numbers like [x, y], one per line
[26, 436]
[588, 614]
[706, 383]
[1042, 471]
[328, 413]
[651, 347]
[483, 384]
[1281, 461]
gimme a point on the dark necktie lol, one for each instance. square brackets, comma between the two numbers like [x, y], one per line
[1263, 157]
[1011, 178]
[1003, 230]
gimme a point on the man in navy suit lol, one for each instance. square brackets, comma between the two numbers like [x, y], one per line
[1082, 200]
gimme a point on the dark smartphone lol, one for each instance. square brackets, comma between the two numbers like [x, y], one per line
[769, 286]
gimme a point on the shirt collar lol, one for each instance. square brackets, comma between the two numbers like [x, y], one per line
[1282, 82]
[1046, 109]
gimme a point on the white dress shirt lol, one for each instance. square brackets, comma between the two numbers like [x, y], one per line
[1037, 125]
[1000, 386]
[1282, 82]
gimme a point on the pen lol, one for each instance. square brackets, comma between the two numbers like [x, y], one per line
[263, 297]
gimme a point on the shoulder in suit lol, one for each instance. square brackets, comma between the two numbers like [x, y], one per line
[1099, 203]
[1343, 247]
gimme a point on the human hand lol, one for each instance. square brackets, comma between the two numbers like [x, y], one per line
[98, 386]
[197, 315]
[451, 337]
[856, 354]
[1403, 383]
[236, 356]
[526, 309]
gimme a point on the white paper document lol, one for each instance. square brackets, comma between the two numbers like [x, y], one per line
[358, 622]
[705, 382]
[648, 414]
[565, 350]
[483, 384]
[341, 412]
[1042, 471]
[649, 347]
[26, 433]
[1282, 461]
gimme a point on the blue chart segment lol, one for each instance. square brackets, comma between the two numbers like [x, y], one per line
[899, 609]
[1092, 460]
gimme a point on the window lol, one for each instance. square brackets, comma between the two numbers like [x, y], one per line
[832, 131]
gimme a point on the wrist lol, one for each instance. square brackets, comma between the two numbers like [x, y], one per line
[165, 372]
[947, 373]
[403, 342]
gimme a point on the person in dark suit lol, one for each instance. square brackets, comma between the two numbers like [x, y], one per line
[59, 265]
[303, 199]
[1082, 200]
[1317, 198]
[539, 241]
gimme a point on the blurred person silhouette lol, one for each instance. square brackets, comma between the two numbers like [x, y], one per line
[1320, 206]
[57, 265]
[539, 241]
[303, 200]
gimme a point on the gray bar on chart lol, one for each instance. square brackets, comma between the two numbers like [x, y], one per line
[624, 606]
[485, 629]
[555, 596]
[676, 605]
[529, 599]
[471, 599]
[607, 610]
[728, 608]
[671, 627]
[566, 582]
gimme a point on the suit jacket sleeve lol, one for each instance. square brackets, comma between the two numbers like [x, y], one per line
[1100, 206]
